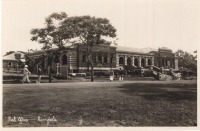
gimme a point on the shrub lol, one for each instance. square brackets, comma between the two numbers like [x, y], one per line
[101, 73]
[63, 77]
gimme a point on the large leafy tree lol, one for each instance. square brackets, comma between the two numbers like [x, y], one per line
[9, 52]
[90, 31]
[60, 29]
[51, 35]
[186, 60]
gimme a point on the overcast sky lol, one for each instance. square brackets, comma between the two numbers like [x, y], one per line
[140, 23]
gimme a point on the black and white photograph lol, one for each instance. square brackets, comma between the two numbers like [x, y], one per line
[123, 64]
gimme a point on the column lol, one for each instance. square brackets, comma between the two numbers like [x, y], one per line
[152, 61]
[171, 63]
[176, 62]
[139, 61]
[125, 60]
[60, 62]
[133, 61]
[102, 57]
[146, 61]
[97, 61]
[70, 66]
[108, 57]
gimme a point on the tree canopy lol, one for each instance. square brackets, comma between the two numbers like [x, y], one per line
[186, 60]
[60, 30]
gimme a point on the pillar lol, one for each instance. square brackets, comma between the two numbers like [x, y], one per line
[139, 61]
[152, 61]
[60, 62]
[108, 57]
[97, 61]
[125, 60]
[132, 61]
[146, 61]
[176, 62]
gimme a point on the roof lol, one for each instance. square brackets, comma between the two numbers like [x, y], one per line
[10, 57]
[165, 49]
[135, 50]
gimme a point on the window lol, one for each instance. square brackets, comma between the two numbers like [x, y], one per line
[136, 63]
[142, 62]
[9, 63]
[111, 60]
[105, 59]
[149, 62]
[64, 59]
[121, 60]
[84, 58]
[99, 59]
[128, 61]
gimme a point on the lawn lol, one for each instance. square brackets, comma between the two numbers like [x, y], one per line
[99, 104]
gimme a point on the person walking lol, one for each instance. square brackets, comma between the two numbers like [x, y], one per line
[111, 75]
[26, 73]
[39, 75]
[120, 75]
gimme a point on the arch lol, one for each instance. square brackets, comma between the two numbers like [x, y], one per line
[142, 62]
[64, 59]
[129, 61]
[121, 60]
[149, 62]
[136, 62]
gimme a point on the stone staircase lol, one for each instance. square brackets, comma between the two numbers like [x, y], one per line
[158, 74]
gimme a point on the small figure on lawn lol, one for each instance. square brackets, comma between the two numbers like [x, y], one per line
[26, 74]
[39, 75]
[111, 75]
[121, 75]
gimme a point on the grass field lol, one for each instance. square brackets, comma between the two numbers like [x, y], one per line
[99, 104]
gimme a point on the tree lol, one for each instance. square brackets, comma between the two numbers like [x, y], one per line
[17, 56]
[9, 52]
[50, 35]
[186, 60]
[89, 31]
[60, 30]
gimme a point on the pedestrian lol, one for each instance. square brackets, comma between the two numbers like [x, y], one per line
[120, 75]
[111, 75]
[39, 75]
[26, 73]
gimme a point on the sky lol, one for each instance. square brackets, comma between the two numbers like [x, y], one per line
[139, 23]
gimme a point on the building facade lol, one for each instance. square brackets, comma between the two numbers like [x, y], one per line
[105, 57]
[11, 64]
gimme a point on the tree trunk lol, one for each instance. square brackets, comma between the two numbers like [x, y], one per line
[92, 68]
[92, 73]
[50, 68]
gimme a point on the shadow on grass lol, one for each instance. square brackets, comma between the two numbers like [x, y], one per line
[170, 92]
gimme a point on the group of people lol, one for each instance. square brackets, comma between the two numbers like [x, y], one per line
[26, 74]
[121, 75]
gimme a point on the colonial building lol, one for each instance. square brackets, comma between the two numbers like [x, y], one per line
[144, 57]
[105, 57]
[13, 64]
